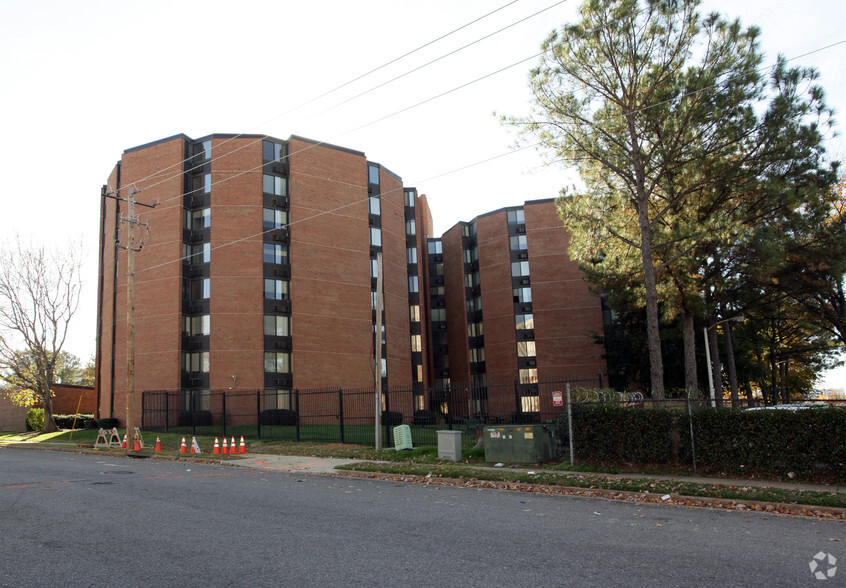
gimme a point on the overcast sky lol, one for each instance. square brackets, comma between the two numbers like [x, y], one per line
[82, 81]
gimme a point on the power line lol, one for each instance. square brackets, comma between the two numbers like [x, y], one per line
[571, 160]
[347, 83]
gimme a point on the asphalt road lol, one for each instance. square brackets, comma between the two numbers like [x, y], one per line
[87, 520]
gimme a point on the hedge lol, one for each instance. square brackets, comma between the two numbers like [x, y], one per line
[803, 443]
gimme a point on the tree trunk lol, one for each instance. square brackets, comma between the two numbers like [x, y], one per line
[49, 421]
[750, 399]
[689, 338]
[732, 369]
[716, 372]
[653, 334]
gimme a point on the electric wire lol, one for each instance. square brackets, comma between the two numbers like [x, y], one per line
[347, 83]
[572, 160]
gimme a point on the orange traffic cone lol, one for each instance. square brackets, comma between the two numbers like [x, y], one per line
[158, 444]
[216, 450]
[224, 450]
[137, 444]
[232, 449]
[242, 448]
[183, 448]
[123, 445]
[193, 445]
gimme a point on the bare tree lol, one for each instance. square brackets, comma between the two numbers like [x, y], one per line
[39, 294]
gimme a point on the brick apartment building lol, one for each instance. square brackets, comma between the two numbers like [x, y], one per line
[259, 273]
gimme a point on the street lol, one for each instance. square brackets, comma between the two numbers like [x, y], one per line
[90, 520]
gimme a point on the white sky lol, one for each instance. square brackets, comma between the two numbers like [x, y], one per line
[81, 81]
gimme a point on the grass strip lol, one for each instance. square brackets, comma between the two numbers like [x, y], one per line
[739, 493]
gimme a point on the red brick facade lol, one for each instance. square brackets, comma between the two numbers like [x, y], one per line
[323, 258]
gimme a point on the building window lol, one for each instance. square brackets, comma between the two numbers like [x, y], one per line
[373, 174]
[418, 373]
[374, 205]
[437, 269]
[409, 198]
[414, 312]
[207, 183]
[196, 289]
[528, 376]
[530, 403]
[277, 399]
[416, 343]
[475, 330]
[439, 314]
[410, 227]
[197, 220]
[275, 253]
[274, 185]
[374, 268]
[522, 295]
[375, 237]
[276, 289]
[526, 349]
[519, 268]
[474, 304]
[207, 147]
[277, 363]
[200, 253]
[277, 326]
[411, 254]
[436, 247]
[436, 291]
[516, 217]
[272, 151]
[519, 243]
[274, 219]
[196, 325]
[468, 230]
[413, 284]
[477, 355]
[196, 362]
[524, 321]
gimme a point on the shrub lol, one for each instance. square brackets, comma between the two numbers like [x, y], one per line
[772, 442]
[107, 423]
[90, 424]
[66, 421]
[35, 419]
[615, 433]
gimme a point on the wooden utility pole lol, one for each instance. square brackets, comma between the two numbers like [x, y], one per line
[377, 380]
[131, 250]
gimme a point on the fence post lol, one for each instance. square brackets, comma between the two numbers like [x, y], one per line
[570, 426]
[258, 414]
[450, 408]
[194, 412]
[692, 445]
[297, 416]
[601, 380]
[341, 412]
[223, 395]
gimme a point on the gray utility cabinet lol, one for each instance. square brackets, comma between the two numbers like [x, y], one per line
[519, 443]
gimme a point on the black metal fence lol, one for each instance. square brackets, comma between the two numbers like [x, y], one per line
[348, 415]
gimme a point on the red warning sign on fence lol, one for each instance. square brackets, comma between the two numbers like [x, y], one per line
[557, 398]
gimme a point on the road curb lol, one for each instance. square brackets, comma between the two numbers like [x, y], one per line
[680, 500]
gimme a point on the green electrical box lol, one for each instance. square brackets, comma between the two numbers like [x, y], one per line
[519, 443]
